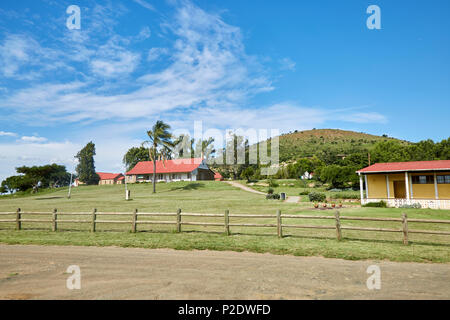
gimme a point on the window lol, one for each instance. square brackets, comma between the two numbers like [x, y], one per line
[189, 175]
[443, 179]
[423, 179]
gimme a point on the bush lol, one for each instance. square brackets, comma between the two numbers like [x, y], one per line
[272, 183]
[317, 196]
[270, 191]
[411, 206]
[304, 193]
[344, 195]
[274, 196]
[380, 204]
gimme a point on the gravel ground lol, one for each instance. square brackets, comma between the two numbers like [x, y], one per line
[39, 272]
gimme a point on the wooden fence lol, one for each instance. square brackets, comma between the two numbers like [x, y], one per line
[177, 222]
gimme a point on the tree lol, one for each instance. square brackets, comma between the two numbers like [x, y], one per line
[159, 143]
[248, 173]
[135, 155]
[86, 166]
[389, 151]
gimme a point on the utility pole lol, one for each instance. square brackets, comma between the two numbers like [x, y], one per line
[70, 185]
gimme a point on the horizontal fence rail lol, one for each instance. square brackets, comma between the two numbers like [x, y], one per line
[96, 217]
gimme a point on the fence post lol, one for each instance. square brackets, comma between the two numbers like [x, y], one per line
[179, 220]
[18, 217]
[227, 222]
[338, 226]
[405, 228]
[94, 216]
[54, 218]
[133, 226]
[280, 231]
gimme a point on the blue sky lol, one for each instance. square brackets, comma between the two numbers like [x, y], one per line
[289, 65]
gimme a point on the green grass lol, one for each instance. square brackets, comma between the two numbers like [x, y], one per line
[215, 197]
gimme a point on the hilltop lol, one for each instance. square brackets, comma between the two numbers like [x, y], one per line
[308, 143]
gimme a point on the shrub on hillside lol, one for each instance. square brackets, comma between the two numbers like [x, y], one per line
[317, 197]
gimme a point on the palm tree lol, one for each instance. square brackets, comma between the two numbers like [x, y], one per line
[159, 144]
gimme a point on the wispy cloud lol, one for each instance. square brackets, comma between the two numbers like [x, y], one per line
[7, 134]
[145, 4]
[209, 68]
[33, 139]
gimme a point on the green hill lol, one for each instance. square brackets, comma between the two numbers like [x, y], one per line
[323, 142]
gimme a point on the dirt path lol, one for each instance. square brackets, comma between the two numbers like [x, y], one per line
[292, 199]
[241, 186]
[38, 272]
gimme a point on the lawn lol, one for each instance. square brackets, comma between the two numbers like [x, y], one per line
[216, 197]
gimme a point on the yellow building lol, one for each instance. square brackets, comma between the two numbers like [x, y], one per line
[403, 183]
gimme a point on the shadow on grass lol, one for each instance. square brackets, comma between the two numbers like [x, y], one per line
[190, 186]
[265, 235]
[49, 198]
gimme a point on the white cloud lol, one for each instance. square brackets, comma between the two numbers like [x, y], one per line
[209, 67]
[33, 139]
[145, 4]
[156, 53]
[7, 134]
[287, 64]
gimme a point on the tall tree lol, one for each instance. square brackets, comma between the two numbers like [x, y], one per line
[86, 166]
[135, 155]
[159, 143]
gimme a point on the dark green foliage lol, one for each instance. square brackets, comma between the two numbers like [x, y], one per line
[273, 196]
[135, 155]
[270, 191]
[380, 204]
[338, 176]
[37, 177]
[317, 196]
[248, 173]
[86, 167]
[304, 193]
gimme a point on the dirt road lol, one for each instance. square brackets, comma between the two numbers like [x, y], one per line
[39, 272]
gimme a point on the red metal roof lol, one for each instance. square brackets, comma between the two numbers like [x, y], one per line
[169, 166]
[408, 166]
[108, 176]
[217, 175]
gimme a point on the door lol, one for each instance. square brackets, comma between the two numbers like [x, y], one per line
[399, 189]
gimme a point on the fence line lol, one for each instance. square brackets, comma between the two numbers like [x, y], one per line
[94, 215]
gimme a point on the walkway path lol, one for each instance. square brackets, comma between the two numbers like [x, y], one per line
[239, 185]
[292, 199]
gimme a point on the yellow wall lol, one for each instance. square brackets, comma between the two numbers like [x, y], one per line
[377, 186]
[444, 191]
[378, 189]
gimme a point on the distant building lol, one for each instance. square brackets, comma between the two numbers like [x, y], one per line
[406, 183]
[110, 178]
[171, 170]
[307, 175]
[218, 176]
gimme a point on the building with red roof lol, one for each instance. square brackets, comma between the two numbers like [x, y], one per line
[218, 176]
[406, 183]
[171, 170]
[110, 178]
